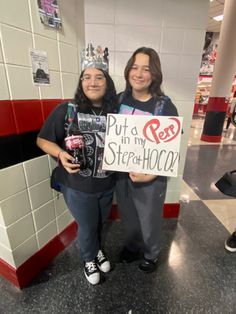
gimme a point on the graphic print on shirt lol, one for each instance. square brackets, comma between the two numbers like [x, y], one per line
[93, 129]
[125, 109]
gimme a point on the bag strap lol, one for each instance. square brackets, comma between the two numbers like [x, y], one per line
[159, 106]
[121, 97]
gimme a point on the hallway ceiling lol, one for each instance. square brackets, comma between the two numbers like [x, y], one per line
[216, 8]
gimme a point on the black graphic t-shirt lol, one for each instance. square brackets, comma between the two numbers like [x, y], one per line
[92, 179]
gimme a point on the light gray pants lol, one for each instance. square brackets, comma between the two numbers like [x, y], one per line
[141, 209]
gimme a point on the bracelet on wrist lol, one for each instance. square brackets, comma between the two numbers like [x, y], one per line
[58, 157]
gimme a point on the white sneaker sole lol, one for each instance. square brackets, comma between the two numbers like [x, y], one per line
[230, 249]
[94, 279]
[105, 267]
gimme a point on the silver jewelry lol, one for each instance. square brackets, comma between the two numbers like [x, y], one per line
[98, 119]
[97, 115]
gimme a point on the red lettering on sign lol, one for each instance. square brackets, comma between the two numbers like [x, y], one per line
[152, 130]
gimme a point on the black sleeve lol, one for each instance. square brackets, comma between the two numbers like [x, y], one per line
[53, 128]
[170, 109]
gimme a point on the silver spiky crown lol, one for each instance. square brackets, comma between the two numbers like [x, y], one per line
[95, 59]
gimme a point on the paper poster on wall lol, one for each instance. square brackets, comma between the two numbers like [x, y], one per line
[143, 144]
[49, 13]
[39, 61]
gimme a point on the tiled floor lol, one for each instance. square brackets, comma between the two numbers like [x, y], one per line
[205, 163]
[195, 273]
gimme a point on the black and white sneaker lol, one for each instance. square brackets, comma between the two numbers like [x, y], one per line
[91, 272]
[148, 265]
[230, 243]
[102, 262]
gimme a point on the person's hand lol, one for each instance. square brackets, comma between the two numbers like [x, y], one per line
[141, 177]
[66, 161]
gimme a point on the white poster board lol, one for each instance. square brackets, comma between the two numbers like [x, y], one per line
[143, 144]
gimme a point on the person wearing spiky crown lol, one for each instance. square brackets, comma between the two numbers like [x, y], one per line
[140, 197]
[79, 126]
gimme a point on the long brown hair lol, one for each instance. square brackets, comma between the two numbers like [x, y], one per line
[155, 70]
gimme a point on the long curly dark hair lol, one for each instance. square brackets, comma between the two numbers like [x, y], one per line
[109, 100]
[155, 70]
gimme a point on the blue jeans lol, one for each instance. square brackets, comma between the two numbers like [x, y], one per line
[90, 211]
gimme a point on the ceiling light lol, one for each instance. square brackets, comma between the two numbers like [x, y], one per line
[218, 18]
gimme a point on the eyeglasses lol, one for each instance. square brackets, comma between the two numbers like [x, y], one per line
[98, 79]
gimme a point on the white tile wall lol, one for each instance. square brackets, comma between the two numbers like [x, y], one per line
[8, 183]
[9, 205]
[69, 58]
[40, 194]
[135, 12]
[60, 205]
[131, 37]
[51, 47]
[1, 56]
[4, 240]
[4, 92]
[64, 220]
[47, 233]
[6, 255]
[25, 251]
[2, 223]
[26, 199]
[54, 90]
[181, 89]
[193, 41]
[69, 15]
[19, 86]
[95, 33]
[185, 13]
[23, 228]
[16, 54]
[172, 40]
[119, 82]
[190, 66]
[44, 215]
[185, 110]
[173, 182]
[36, 170]
[97, 12]
[172, 196]
[69, 82]
[16, 28]
[170, 65]
[120, 62]
[16, 13]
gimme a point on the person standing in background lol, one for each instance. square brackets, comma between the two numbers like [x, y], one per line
[231, 110]
[230, 243]
[140, 197]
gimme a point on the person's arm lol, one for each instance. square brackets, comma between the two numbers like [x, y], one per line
[62, 156]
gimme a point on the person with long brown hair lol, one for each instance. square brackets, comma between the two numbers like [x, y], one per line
[140, 197]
